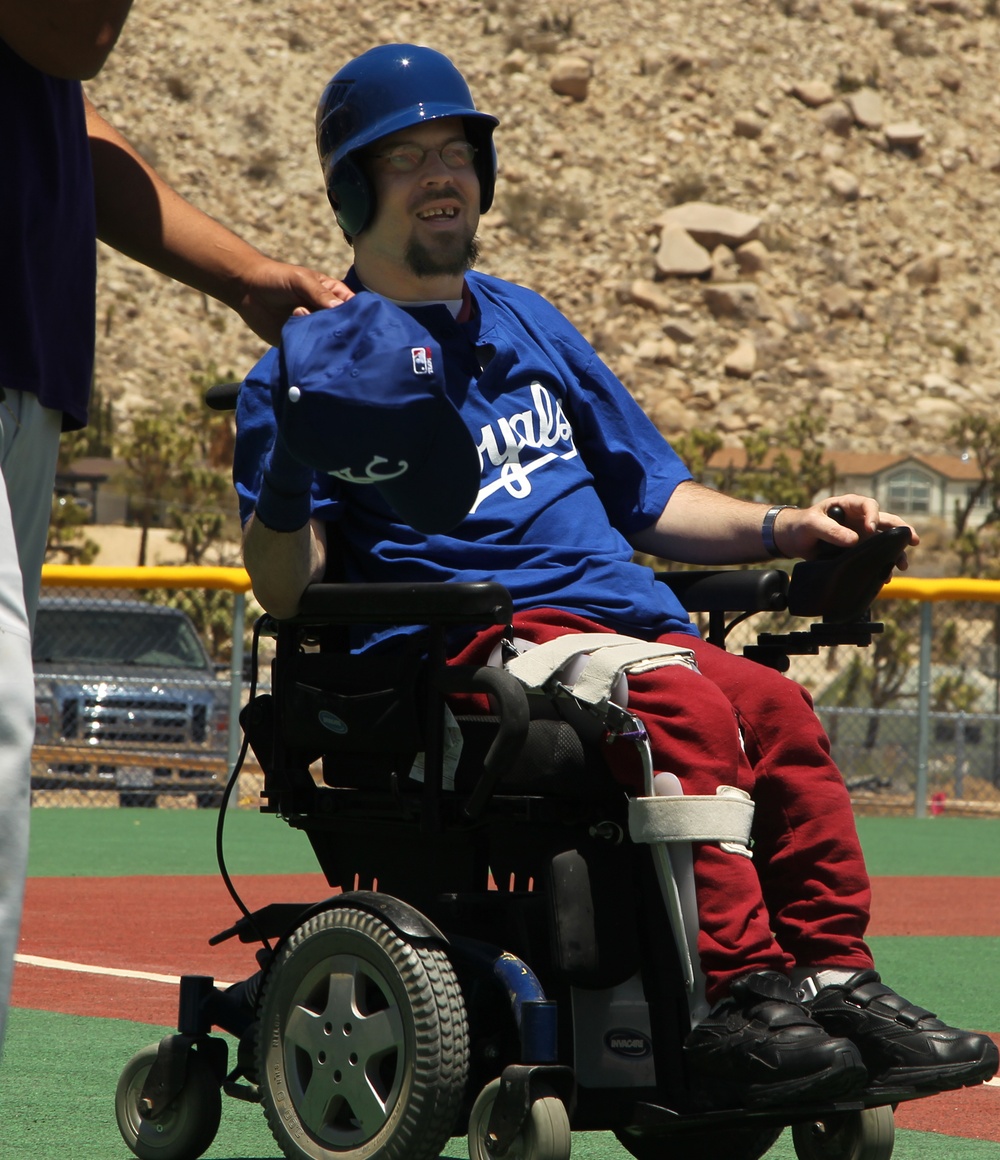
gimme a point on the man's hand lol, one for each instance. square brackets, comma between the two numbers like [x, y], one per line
[802, 532]
[64, 38]
[272, 291]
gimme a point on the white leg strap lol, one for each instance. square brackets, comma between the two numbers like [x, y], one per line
[725, 817]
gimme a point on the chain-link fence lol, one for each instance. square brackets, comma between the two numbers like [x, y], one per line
[139, 679]
[140, 675]
[913, 719]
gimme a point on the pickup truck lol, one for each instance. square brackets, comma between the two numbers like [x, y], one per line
[127, 699]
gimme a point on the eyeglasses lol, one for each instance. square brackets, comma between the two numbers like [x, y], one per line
[407, 157]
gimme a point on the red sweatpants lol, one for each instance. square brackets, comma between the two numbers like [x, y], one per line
[804, 898]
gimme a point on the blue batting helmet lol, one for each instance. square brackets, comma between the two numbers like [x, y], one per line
[386, 89]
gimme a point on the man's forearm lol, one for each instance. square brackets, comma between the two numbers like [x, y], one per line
[143, 217]
[702, 526]
[283, 564]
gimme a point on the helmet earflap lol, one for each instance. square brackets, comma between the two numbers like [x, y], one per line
[351, 196]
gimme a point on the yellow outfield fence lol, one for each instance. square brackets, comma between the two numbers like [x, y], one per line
[914, 719]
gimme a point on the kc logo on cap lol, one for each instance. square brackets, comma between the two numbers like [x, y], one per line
[362, 396]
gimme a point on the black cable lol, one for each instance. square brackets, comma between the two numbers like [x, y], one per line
[227, 794]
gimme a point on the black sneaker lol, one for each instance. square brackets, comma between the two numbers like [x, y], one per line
[761, 1047]
[902, 1044]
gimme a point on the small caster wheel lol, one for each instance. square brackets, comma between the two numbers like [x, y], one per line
[186, 1127]
[866, 1135]
[545, 1135]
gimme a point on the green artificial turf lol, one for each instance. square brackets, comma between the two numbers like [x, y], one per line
[109, 843]
[934, 846]
[955, 977]
[97, 842]
[59, 1073]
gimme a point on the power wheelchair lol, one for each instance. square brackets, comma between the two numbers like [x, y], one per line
[494, 958]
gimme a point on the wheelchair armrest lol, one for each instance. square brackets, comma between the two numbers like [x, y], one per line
[482, 602]
[840, 588]
[729, 589]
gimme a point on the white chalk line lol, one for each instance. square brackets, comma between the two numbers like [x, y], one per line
[89, 969]
[171, 980]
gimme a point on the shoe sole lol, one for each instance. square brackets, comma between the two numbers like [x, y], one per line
[937, 1079]
[847, 1076]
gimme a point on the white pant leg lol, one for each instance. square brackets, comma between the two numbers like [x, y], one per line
[29, 445]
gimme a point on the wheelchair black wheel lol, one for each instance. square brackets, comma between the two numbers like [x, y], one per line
[363, 1045]
[732, 1143]
[864, 1135]
[544, 1136]
[186, 1127]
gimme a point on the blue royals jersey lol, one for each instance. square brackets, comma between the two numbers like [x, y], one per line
[571, 466]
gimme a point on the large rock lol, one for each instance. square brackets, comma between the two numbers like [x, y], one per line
[814, 93]
[570, 77]
[905, 134]
[711, 225]
[741, 362]
[866, 108]
[679, 255]
[651, 295]
[743, 300]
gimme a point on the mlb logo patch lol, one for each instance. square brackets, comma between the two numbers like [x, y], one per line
[423, 364]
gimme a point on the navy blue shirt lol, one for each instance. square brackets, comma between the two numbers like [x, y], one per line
[48, 239]
[570, 467]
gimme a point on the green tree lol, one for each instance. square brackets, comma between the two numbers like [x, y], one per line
[155, 446]
[67, 542]
[786, 466]
[977, 436]
[203, 507]
[952, 693]
[874, 677]
[696, 448]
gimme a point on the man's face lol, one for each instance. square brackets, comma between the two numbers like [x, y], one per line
[426, 217]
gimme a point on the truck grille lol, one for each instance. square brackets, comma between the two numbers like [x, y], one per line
[134, 720]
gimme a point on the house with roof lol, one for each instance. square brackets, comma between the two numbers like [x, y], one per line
[919, 487]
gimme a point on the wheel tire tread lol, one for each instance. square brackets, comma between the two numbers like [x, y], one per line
[440, 1035]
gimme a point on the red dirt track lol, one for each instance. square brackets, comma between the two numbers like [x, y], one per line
[162, 925]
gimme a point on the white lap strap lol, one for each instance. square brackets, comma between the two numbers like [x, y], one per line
[598, 678]
[725, 818]
[540, 668]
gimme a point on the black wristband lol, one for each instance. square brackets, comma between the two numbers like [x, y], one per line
[282, 511]
[767, 530]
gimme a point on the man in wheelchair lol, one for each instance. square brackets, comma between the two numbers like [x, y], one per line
[447, 425]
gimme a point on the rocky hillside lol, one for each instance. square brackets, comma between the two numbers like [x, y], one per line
[860, 136]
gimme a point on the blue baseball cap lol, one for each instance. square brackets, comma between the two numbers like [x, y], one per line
[361, 396]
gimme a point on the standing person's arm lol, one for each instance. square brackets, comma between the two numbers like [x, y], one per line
[143, 217]
[70, 39]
